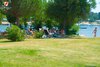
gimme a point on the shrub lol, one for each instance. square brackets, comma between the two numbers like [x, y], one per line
[38, 34]
[74, 29]
[14, 33]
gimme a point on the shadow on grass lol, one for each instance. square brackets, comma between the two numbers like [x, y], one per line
[6, 41]
[30, 52]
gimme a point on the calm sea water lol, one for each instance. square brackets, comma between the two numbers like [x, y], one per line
[85, 30]
[3, 28]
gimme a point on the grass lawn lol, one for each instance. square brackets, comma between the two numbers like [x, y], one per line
[50, 53]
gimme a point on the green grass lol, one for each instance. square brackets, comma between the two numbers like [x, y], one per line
[50, 53]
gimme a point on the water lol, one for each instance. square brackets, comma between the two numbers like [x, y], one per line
[87, 30]
[3, 28]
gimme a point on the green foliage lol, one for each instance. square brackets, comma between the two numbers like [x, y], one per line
[67, 11]
[37, 24]
[23, 8]
[93, 17]
[74, 29]
[99, 15]
[50, 23]
[11, 18]
[15, 33]
[40, 14]
[1, 17]
[38, 34]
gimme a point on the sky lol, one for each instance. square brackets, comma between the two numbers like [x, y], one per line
[97, 9]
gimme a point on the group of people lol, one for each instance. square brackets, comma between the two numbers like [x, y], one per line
[47, 33]
[56, 33]
[53, 33]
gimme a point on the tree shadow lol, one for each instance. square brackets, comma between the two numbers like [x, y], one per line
[6, 41]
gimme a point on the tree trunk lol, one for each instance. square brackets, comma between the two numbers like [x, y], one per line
[17, 21]
[64, 26]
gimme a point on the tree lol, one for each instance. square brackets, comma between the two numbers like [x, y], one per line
[40, 18]
[99, 15]
[22, 8]
[68, 12]
[0, 18]
[40, 15]
[93, 17]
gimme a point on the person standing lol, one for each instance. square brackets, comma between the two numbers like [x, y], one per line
[95, 32]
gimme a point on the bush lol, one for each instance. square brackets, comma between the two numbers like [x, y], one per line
[38, 34]
[74, 29]
[14, 33]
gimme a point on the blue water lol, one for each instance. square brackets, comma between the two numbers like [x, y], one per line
[86, 30]
[3, 28]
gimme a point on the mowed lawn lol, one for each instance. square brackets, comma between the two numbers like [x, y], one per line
[50, 53]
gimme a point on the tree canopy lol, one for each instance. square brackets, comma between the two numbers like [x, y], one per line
[65, 12]
[68, 12]
[22, 8]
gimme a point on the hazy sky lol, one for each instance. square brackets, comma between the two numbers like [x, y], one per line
[97, 9]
